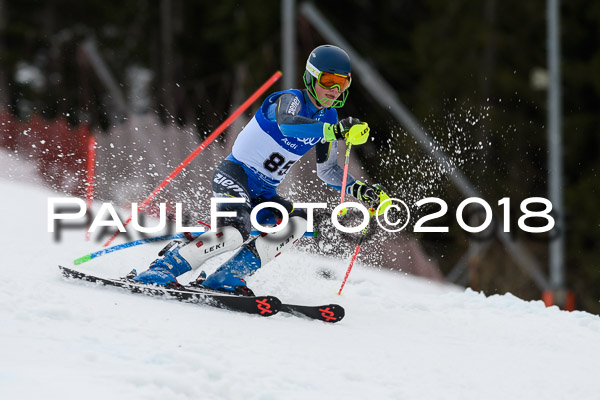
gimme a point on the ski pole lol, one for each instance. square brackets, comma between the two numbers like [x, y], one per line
[202, 146]
[363, 234]
[123, 246]
[345, 175]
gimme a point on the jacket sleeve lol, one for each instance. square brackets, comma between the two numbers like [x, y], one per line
[286, 112]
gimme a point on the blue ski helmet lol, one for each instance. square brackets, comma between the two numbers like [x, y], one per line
[328, 66]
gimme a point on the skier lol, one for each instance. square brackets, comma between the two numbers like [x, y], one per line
[288, 124]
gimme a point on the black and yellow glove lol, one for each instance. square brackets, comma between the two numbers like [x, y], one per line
[373, 195]
[352, 130]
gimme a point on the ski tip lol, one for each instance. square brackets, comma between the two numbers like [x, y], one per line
[332, 313]
[67, 272]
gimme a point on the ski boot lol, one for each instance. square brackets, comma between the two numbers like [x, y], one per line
[163, 271]
[228, 277]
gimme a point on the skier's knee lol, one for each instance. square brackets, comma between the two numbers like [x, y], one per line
[241, 222]
[270, 246]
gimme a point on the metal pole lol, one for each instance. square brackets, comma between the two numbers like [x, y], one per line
[90, 49]
[166, 36]
[4, 100]
[288, 43]
[386, 97]
[555, 183]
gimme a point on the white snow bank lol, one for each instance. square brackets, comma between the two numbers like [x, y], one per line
[402, 338]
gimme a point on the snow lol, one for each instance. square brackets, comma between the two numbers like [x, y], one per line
[402, 338]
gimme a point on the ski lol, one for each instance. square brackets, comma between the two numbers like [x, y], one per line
[331, 313]
[261, 305]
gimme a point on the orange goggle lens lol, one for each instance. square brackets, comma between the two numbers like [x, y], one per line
[329, 80]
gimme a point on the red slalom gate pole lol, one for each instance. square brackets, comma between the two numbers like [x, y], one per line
[91, 166]
[202, 146]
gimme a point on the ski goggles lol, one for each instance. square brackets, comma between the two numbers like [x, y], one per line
[329, 80]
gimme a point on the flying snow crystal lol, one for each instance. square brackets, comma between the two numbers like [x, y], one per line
[421, 175]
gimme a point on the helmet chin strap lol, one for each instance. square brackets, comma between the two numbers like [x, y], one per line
[318, 100]
[334, 102]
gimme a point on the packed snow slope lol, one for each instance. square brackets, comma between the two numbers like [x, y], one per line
[402, 338]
